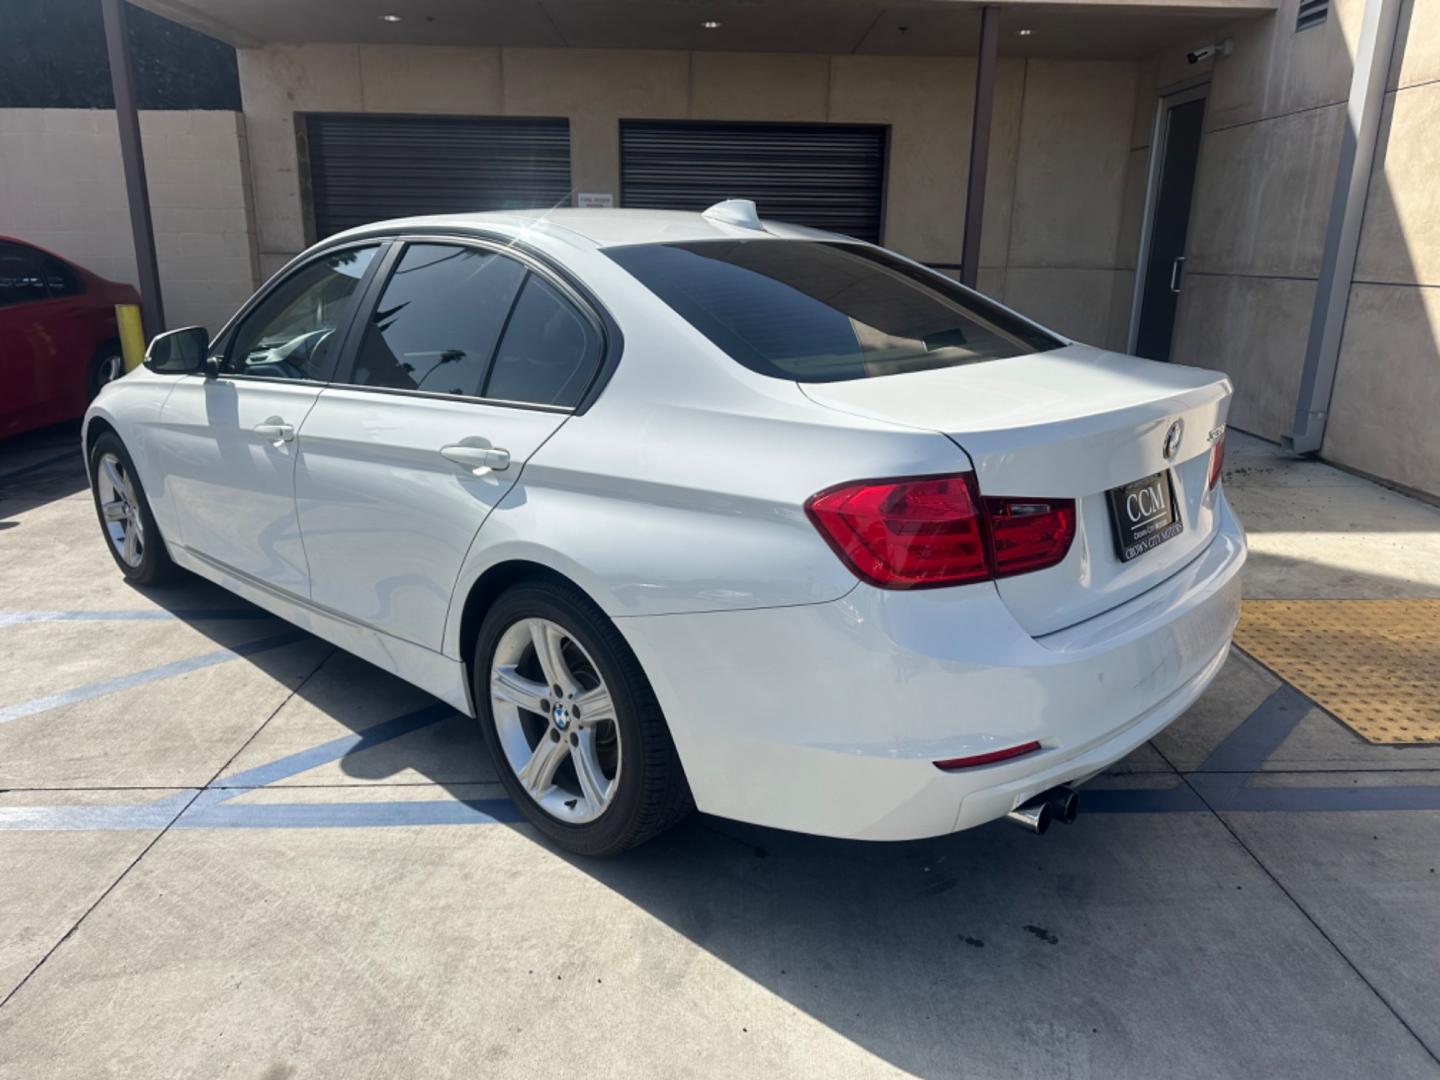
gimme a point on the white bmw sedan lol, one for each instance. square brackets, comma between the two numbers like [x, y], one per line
[698, 510]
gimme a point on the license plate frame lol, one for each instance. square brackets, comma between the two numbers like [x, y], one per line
[1137, 523]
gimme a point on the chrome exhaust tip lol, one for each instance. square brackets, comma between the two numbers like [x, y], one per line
[1033, 816]
[1064, 803]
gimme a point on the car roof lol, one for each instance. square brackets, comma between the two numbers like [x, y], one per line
[594, 228]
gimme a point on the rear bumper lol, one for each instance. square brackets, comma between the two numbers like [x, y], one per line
[827, 718]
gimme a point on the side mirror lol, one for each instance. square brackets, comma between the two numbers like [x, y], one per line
[179, 352]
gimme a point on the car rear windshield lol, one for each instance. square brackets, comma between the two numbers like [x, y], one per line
[817, 311]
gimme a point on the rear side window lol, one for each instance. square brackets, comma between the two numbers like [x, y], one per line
[818, 311]
[59, 278]
[20, 280]
[438, 320]
[549, 351]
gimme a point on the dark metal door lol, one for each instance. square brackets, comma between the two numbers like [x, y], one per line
[1165, 267]
[367, 167]
[828, 176]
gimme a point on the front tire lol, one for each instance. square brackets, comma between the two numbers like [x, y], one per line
[572, 724]
[129, 528]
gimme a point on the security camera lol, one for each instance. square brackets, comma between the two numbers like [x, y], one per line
[1224, 48]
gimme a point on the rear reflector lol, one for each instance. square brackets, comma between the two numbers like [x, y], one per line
[954, 763]
[932, 531]
[1217, 459]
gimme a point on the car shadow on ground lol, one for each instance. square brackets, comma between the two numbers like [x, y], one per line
[37, 468]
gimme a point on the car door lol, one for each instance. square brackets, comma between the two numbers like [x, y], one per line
[24, 345]
[228, 443]
[469, 360]
[78, 323]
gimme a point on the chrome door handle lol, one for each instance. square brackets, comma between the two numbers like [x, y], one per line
[478, 459]
[1175, 273]
[276, 431]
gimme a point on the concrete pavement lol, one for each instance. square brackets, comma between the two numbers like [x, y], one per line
[228, 849]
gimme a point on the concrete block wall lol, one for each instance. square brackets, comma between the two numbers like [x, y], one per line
[1266, 175]
[62, 187]
[1058, 149]
[1387, 384]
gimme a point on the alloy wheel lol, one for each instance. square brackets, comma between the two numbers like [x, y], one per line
[121, 510]
[555, 718]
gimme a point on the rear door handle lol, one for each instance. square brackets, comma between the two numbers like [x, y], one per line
[1175, 273]
[478, 459]
[276, 430]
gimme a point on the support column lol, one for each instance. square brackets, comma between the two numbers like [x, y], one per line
[980, 142]
[137, 192]
[1373, 55]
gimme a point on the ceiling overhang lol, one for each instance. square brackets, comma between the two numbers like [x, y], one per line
[1061, 29]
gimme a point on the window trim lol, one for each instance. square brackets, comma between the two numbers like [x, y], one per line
[344, 371]
[221, 344]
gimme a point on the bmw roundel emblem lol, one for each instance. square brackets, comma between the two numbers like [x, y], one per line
[1172, 439]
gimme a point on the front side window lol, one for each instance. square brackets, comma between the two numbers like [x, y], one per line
[549, 352]
[20, 280]
[294, 332]
[438, 320]
[818, 311]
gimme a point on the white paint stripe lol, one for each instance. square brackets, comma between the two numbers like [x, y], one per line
[139, 678]
[11, 618]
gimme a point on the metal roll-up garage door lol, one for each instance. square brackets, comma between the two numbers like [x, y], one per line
[829, 176]
[367, 168]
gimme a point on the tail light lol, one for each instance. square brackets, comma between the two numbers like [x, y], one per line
[1217, 459]
[1029, 534]
[936, 530]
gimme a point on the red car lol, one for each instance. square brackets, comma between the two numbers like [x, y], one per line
[58, 339]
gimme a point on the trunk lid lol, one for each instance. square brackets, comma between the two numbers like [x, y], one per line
[1070, 423]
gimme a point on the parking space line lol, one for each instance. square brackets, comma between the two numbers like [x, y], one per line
[12, 618]
[1224, 796]
[218, 815]
[305, 760]
[79, 818]
[139, 678]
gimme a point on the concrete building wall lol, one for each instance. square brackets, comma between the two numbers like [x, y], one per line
[1274, 123]
[1059, 146]
[63, 188]
[1387, 384]
[1266, 175]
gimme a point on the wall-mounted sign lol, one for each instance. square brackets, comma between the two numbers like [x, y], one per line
[594, 198]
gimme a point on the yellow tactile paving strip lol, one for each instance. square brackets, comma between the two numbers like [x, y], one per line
[1373, 664]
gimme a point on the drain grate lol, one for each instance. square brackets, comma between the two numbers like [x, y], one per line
[1373, 664]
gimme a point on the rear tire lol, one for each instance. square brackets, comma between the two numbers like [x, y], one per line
[131, 535]
[597, 780]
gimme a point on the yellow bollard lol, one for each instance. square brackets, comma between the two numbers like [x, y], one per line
[132, 335]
